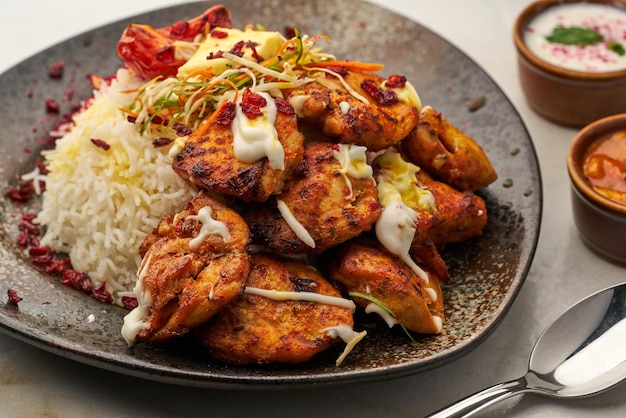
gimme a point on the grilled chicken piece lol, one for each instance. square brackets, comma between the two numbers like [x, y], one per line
[255, 329]
[447, 153]
[460, 215]
[443, 213]
[194, 263]
[330, 206]
[330, 107]
[368, 269]
[209, 161]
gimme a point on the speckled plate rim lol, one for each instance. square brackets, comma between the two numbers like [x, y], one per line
[515, 214]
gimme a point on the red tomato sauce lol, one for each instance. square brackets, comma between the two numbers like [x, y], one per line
[605, 167]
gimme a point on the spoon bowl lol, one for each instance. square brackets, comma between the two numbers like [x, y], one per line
[582, 353]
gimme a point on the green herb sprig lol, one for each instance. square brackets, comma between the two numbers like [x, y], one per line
[383, 306]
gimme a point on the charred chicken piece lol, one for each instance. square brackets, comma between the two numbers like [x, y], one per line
[209, 160]
[194, 263]
[447, 153]
[325, 198]
[330, 107]
[256, 329]
[367, 269]
[460, 215]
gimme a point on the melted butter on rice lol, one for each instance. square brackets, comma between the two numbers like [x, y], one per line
[100, 204]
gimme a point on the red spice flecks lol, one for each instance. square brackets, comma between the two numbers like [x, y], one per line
[13, 298]
[52, 106]
[226, 114]
[237, 49]
[55, 70]
[283, 106]
[252, 103]
[215, 55]
[255, 54]
[101, 144]
[396, 81]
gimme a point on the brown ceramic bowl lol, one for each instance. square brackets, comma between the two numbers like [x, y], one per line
[567, 97]
[600, 221]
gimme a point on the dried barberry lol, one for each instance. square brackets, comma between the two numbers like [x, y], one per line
[396, 81]
[226, 114]
[52, 106]
[283, 106]
[13, 298]
[129, 302]
[161, 142]
[76, 280]
[251, 104]
[182, 130]
[384, 97]
[55, 70]
[101, 294]
[237, 49]
[101, 144]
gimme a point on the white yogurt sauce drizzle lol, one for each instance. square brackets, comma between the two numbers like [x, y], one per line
[396, 226]
[134, 321]
[209, 226]
[348, 335]
[257, 138]
[389, 319]
[300, 231]
[345, 332]
[607, 20]
[282, 295]
[352, 162]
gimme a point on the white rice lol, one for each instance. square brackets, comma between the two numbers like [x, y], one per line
[99, 205]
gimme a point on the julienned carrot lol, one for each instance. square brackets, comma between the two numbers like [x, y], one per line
[207, 73]
[129, 112]
[348, 65]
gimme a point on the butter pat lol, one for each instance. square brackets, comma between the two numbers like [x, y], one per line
[266, 44]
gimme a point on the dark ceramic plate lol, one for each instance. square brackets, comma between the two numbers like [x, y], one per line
[486, 273]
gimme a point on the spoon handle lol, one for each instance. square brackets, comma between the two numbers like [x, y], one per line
[483, 399]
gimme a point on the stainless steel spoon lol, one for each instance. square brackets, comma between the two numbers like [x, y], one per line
[582, 353]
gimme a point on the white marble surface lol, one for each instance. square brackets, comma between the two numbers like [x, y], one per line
[35, 383]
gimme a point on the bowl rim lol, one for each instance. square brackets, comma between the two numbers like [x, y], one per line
[535, 9]
[577, 150]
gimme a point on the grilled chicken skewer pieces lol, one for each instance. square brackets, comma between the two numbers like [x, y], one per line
[448, 154]
[194, 263]
[209, 158]
[287, 314]
[355, 115]
[330, 198]
[369, 270]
